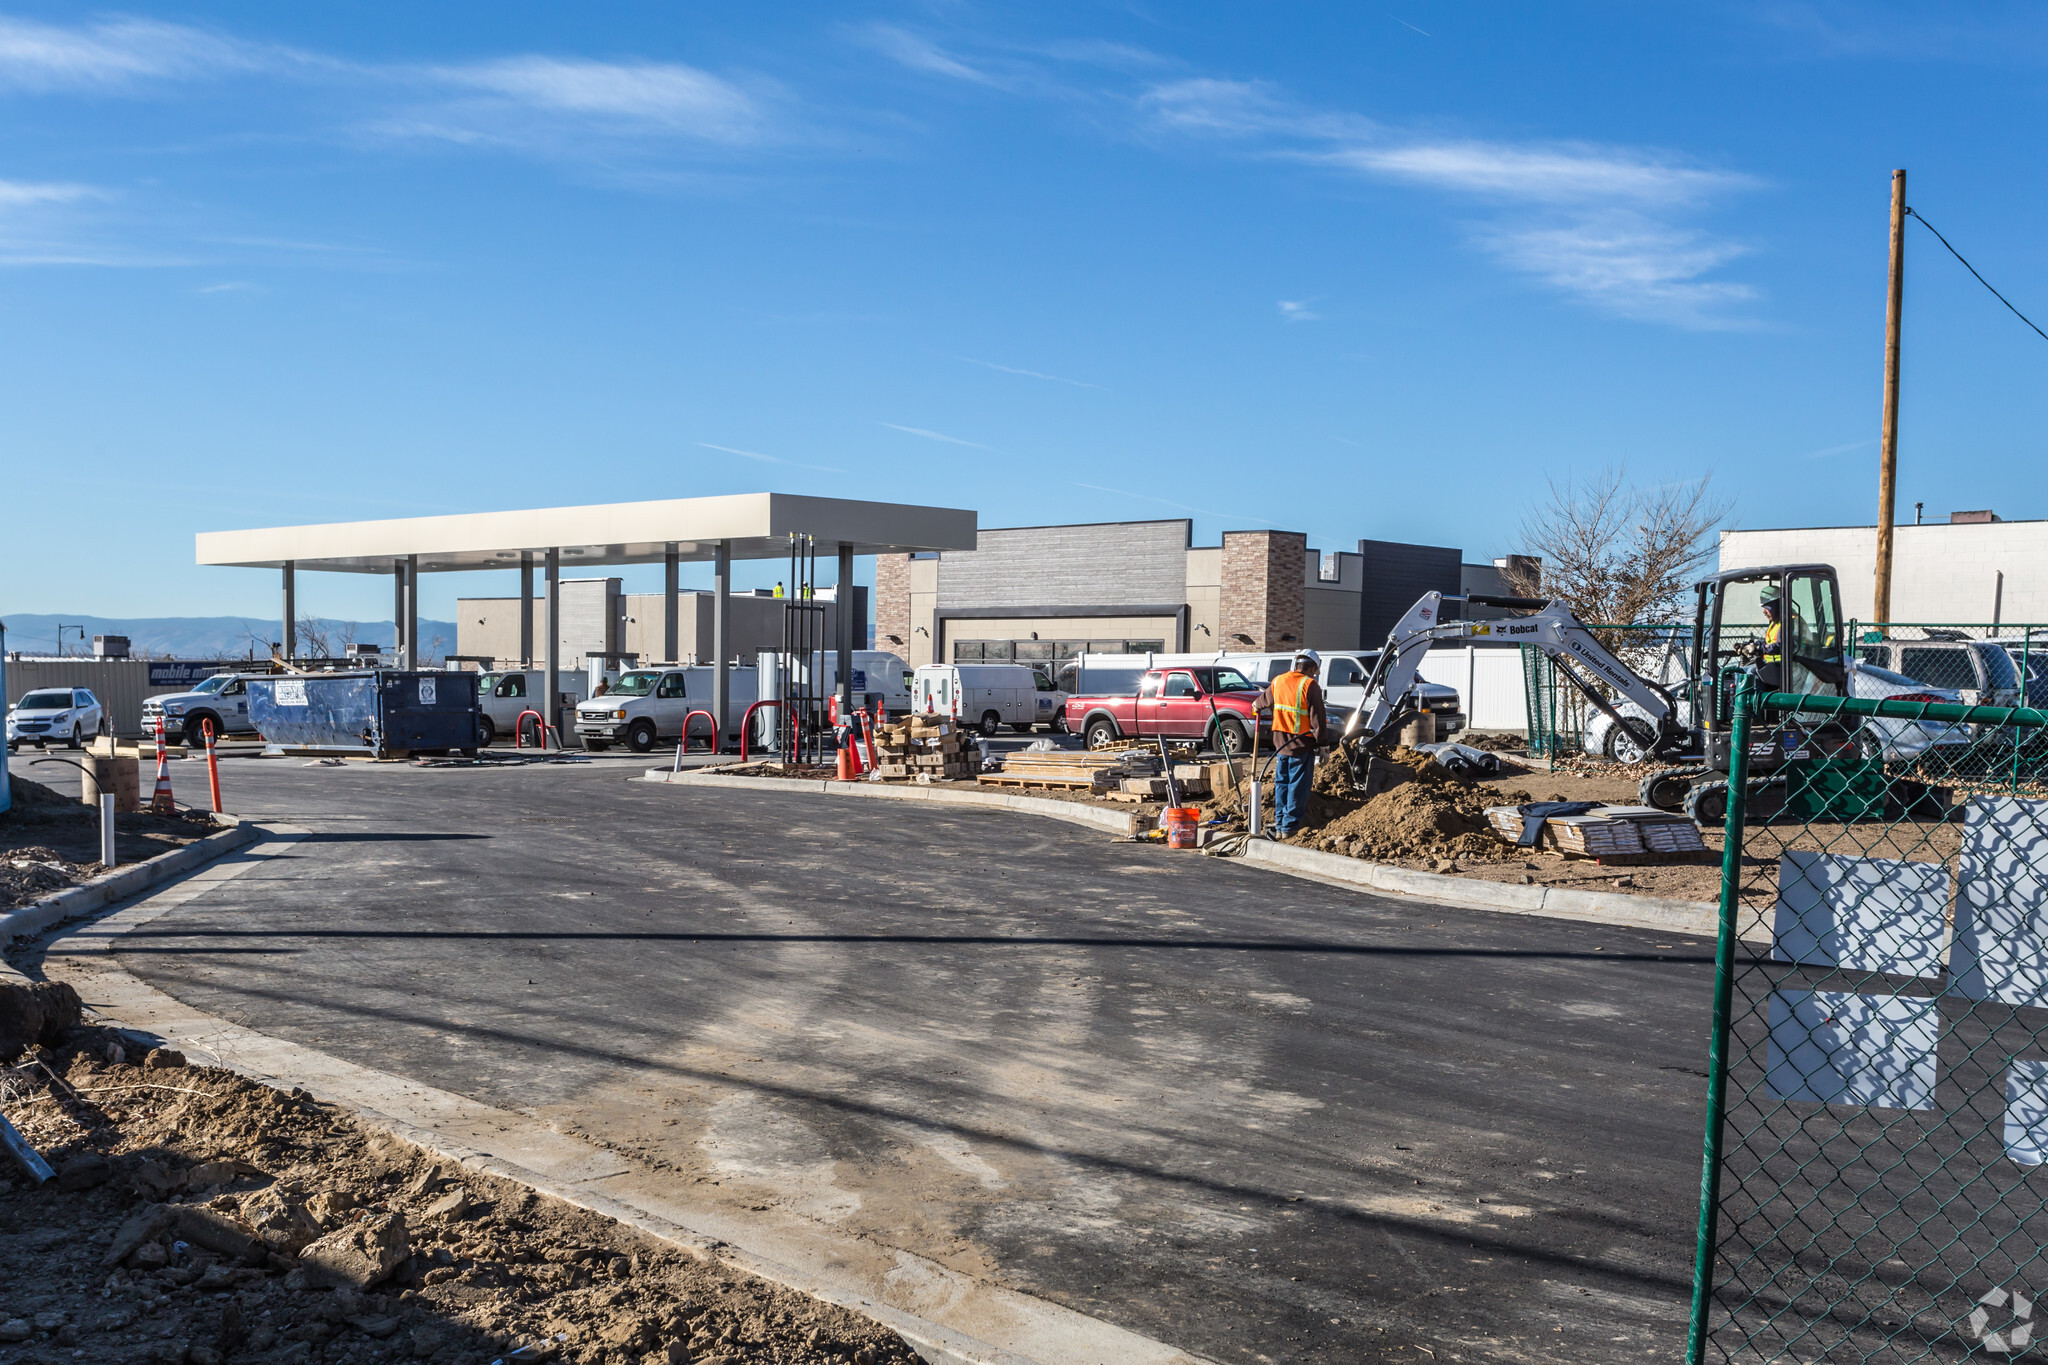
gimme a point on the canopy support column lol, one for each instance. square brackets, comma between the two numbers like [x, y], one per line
[551, 709]
[398, 612]
[671, 607]
[291, 609]
[526, 609]
[721, 601]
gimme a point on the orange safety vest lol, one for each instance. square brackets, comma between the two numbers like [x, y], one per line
[1290, 704]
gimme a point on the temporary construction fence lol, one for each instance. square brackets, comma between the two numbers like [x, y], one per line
[1878, 1068]
[1987, 664]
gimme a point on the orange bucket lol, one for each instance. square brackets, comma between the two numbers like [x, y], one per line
[1181, 823]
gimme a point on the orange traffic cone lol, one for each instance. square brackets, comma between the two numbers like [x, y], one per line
[845, 773]
[162, 803]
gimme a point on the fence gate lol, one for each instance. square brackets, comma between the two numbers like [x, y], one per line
[1878, 1097]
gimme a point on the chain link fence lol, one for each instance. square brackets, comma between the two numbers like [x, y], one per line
[1878, 1078]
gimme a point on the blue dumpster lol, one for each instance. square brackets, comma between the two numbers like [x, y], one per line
[386, 713]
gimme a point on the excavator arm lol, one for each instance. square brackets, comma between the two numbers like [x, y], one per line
[1549, 626]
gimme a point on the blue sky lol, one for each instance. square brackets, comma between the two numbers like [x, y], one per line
[1353, 270]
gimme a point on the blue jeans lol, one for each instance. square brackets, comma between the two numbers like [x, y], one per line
[1291, 777]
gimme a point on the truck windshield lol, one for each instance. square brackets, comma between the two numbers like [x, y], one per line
[214, 683]
[1230, 680]
[635, 684]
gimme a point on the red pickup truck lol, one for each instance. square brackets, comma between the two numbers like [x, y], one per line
[1194, 701]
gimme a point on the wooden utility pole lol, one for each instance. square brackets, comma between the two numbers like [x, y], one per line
[1888, 439]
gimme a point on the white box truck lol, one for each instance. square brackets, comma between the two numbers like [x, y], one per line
[987, 696]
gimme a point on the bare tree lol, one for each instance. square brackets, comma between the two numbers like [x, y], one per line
[1616, 554]
[313, 642]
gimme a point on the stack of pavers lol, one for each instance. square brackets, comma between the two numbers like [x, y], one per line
[1608, 833]
[927, 746]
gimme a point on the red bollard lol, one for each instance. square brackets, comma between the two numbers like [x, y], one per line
[212, 768]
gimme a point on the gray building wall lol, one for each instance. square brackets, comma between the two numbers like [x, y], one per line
[1394, 575]
[1113, 564]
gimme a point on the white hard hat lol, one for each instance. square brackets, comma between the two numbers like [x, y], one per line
[1311, 656]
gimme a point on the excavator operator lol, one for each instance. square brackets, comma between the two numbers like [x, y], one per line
[1772, 672]
[1295, 701]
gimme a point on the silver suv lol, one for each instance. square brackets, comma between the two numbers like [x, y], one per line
[1981, 670]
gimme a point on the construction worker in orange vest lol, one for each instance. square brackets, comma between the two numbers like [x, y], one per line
[1295, 702]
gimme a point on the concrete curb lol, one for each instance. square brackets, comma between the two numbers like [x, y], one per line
[948, 1317]
[32, 919]
[1699, 918]
[1074, 813]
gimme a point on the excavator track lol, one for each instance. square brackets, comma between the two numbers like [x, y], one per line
[1666, 789]
[1706, 805]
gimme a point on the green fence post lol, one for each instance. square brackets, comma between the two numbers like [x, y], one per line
[1717, 1044]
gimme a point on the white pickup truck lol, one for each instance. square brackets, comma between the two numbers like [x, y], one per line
[648, 705]
[222, 701]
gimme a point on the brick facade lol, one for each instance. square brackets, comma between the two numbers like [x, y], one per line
[1262, 590]
[892, 604]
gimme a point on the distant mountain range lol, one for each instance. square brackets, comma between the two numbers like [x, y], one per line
[208, 637]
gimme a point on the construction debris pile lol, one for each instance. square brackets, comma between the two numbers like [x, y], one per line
[1129, 774]
[929, 746]
[197, 1217]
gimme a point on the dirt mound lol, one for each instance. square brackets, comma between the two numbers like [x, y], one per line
[1419, 818]
[196, 1217]
[1493, 743]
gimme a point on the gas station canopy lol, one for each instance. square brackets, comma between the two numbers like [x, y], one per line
[750, 525]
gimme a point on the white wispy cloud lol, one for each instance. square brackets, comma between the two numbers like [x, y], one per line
[115, 53]
[1827, 451]
[1299, 310]
[919, 54]
[663, 96]
[937, 436]
[1608, 225]
[1029, 374]
[770, 459]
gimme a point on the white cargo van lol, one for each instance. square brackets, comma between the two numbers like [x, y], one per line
[648, 705]
[986, 696]
[504, 694]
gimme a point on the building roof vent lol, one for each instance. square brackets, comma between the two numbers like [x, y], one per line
[1971, 518]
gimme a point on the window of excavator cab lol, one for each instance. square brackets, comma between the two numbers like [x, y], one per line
[1813, 630]
[636, 684]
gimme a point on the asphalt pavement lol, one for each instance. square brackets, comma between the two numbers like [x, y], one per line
[1253, 1116]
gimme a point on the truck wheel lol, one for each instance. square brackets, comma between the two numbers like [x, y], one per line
[486, 732]
[640, 737]
[1059, 722]
[194, 736]
[991, 723]
[1101, 733]
[1231, 732]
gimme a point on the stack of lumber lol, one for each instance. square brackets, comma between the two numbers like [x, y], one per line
[930, 746]
[1638, 833]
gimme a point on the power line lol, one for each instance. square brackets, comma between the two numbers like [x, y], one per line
[1973, 270]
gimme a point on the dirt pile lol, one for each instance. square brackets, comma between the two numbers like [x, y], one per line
[1422, 811]
[198, 1217]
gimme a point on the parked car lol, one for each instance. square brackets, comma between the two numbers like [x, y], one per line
[222, 700]
[2030, 661]
[70, 714]
[1213, 703]
[1982, 671]
[987, 696]
[506, 694]
[1878, 736]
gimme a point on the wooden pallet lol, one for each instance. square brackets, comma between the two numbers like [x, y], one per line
[1015, 779]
